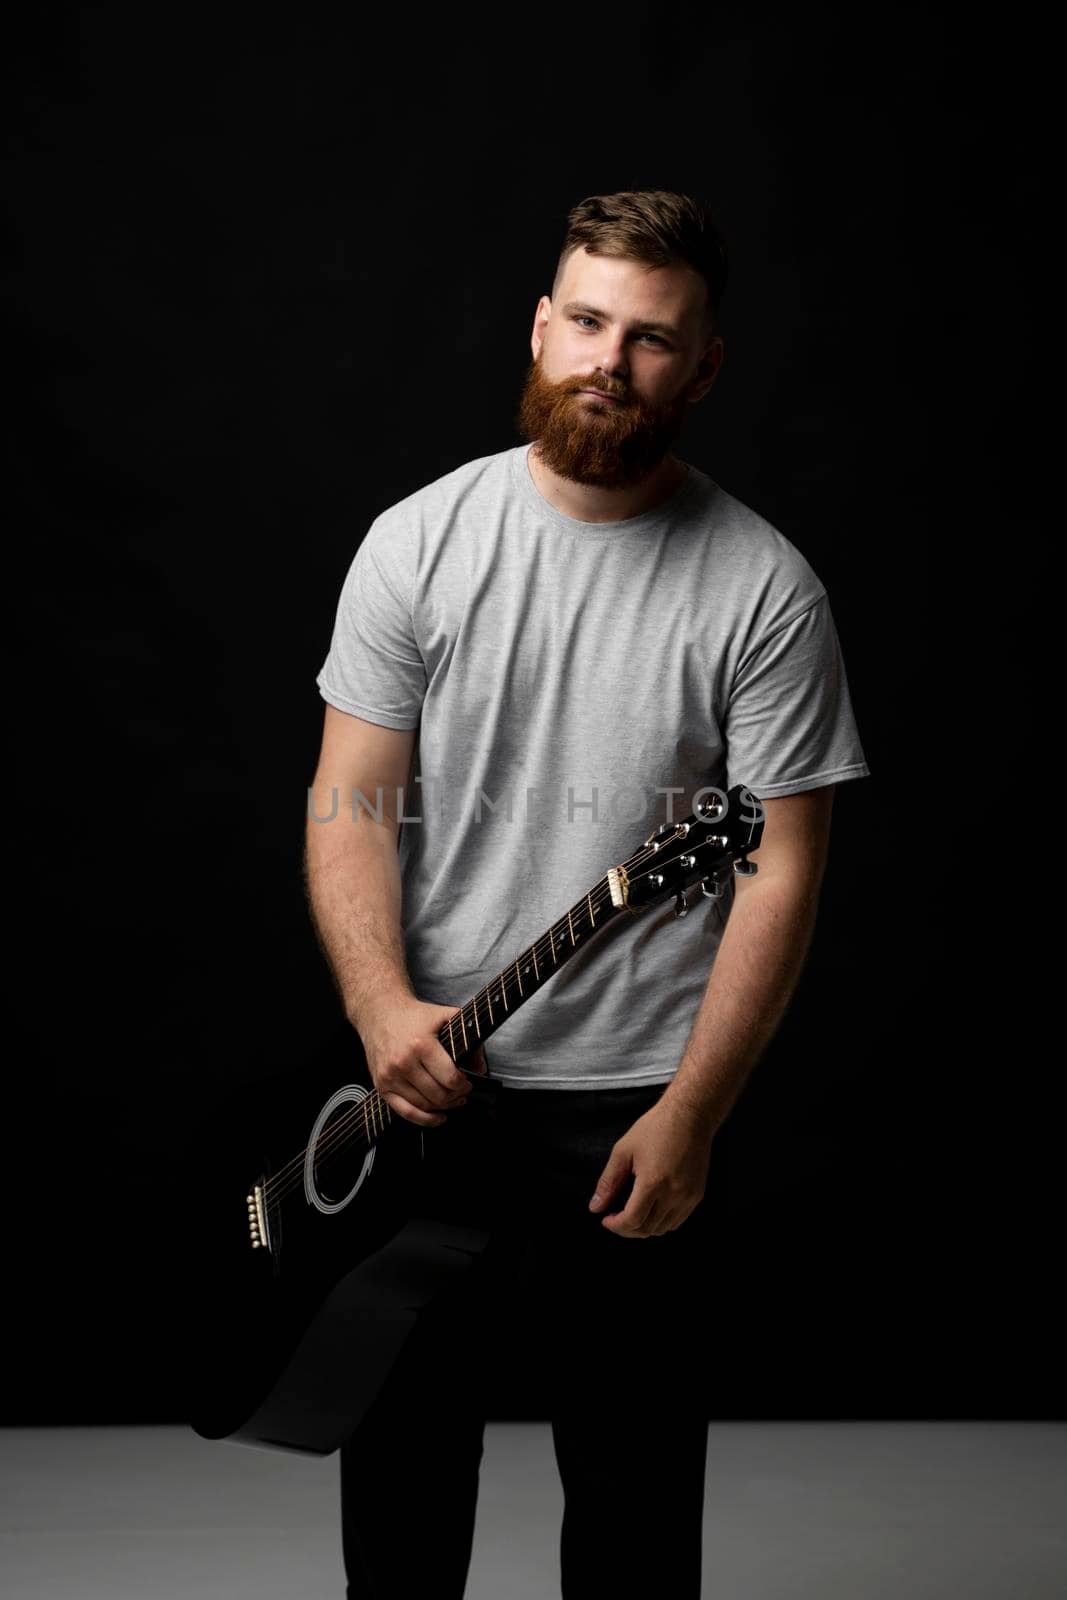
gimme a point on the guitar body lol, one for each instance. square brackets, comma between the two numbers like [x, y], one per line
[311, 1273]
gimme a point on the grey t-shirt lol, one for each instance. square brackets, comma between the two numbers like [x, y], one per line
[575, 684]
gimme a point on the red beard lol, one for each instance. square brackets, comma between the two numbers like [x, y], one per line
[594, 442]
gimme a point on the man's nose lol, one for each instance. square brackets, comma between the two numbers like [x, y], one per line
[612, 356]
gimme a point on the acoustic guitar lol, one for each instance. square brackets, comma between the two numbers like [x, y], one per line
[318, 1253]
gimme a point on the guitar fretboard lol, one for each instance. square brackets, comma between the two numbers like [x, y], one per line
[521, 978]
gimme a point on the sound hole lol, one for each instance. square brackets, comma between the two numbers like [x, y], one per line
[340, 1151]
[339, 1154]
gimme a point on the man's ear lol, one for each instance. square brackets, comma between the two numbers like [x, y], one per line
[541, 316]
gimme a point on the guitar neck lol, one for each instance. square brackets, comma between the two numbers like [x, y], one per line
[502, 996]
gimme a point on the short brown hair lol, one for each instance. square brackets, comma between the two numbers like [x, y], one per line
[654, 226]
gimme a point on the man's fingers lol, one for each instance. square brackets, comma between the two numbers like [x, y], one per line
[618, 1171]
[444, 1069]
[404, 1108]
[417, 1087]
[425, 1090]
[637, 1218]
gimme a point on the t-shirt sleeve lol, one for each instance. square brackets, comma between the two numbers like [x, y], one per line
[374, 668]
[790, 725]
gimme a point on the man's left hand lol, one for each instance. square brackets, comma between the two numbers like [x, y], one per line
[668, 1151]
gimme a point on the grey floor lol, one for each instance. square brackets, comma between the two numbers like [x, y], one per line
[793, 1511]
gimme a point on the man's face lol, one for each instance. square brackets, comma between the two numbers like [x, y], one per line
[590, 337]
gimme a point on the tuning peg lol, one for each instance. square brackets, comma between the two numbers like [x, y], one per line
[745, 869]
[713, 888]
[682, 901]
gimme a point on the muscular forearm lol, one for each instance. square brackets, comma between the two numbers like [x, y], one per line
[352, 880]
[758, 963]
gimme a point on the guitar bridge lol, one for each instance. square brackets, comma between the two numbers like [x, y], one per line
[259, 1234]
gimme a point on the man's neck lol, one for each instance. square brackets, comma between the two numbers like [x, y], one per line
[589, 503]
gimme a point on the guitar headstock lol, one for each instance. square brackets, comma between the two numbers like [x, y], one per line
[706, 848]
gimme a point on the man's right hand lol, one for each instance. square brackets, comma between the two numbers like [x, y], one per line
[412, 1071]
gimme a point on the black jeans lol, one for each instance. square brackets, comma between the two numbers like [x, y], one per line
[604, 1332]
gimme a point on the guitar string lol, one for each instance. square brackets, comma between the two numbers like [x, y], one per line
[337, 1133]
[291, 1175]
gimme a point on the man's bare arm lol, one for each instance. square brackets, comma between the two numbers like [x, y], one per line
[353, 883]
[351, 867]
[758, 964]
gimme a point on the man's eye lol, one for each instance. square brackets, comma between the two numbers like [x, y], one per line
[582, 316]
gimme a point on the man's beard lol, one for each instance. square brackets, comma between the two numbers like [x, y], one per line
[594, 442]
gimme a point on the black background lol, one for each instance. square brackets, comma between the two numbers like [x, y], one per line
[263, 282]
